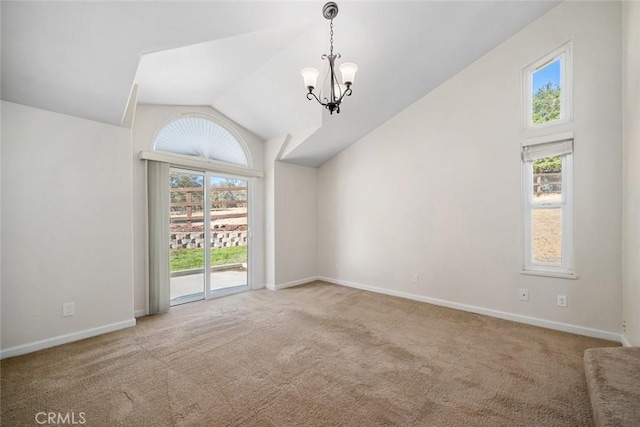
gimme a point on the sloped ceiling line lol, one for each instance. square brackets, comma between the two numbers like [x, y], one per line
[244, 59]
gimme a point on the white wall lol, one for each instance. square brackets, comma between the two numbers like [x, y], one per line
[147, 122]
[631, 172]
[290, 219]
[66, 228]
[296, 251]
[436, 191]
[1, 258]
[272, 149]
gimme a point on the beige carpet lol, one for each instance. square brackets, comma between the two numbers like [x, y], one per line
[314, 355]
[613, 381]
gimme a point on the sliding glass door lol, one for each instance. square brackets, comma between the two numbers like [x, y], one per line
[186, 228]
[209, 235]
[229, 233]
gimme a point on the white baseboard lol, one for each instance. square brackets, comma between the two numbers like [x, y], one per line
[64, 339]
[140, 313]
[625, 341]
[272, 287]
[549, 324]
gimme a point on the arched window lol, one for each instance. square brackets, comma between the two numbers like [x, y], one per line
[197, 136]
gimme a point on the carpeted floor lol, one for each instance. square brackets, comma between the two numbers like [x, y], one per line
[613, 381]
[314, 355]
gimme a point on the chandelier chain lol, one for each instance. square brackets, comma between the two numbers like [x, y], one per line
[331, 39]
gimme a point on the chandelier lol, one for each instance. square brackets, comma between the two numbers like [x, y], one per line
[337, 91]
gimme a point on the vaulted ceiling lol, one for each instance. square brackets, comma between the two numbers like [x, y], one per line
[244, 58]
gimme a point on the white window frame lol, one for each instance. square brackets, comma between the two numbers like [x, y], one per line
[564, 53]
[566, 269]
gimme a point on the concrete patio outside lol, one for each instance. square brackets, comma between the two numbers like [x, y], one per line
[194, 283]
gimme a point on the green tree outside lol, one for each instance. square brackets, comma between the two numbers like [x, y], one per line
[548, 165]
[184, 180]
[546, 104]
[546, 108]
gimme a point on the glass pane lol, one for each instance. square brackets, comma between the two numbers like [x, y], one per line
[547, 180]
[186, 256]
[229, 228]
[546, 238]
[546, 93]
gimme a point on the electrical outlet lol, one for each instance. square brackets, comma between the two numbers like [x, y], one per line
[524, 294]
[68, 309]
[562, 300]
[415, 279]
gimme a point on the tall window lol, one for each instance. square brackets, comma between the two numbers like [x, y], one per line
[548, 205]
[547, 89]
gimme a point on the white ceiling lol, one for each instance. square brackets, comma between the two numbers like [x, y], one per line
[244, 59]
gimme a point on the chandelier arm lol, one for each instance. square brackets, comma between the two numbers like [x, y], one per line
[332, 90]
[332, 76]
[311, 95]
[345, 93]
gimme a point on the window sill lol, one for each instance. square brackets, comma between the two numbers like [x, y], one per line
[570, 276]
[545, 125]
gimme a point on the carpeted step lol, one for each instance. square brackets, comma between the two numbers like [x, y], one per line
[613, 379]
